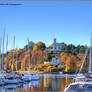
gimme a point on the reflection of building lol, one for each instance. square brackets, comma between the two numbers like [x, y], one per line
[54, 61]
[56, 47]
[51, 83]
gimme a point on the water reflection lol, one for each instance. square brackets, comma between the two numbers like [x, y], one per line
[54, 83]
[46, 83]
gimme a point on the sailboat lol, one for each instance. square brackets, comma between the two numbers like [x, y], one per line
[1, 75]
[83, 81]
[33, 75]
[10, 77]
[26, 77]
[2, 72]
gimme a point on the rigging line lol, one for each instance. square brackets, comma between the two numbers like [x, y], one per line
[84, 59]
[3, 49]
[0, 53]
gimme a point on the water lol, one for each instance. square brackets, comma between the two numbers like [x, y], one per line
[47, 82]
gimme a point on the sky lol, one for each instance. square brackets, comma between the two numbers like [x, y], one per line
[69, 22]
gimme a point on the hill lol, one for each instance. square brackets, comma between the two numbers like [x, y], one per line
[70, 58]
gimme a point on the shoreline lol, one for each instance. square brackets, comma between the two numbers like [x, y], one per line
[41, 72]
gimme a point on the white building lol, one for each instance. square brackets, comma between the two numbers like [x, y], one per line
[54, 61]
[56, 47]
[31, 43]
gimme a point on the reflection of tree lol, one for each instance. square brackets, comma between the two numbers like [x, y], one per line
[26, 88]
[41, 85]
[53, 83]
[32, 88]
[63, 81]
[48, 84]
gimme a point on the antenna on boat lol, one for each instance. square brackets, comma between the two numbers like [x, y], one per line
[29, 54]
[13, 53]
[90, 56]
[3, 48]
[0, 53]
[6, 52]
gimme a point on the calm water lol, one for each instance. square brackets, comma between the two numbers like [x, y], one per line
[47, 82]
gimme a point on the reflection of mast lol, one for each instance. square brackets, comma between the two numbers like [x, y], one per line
[90, 56]
[0, 53]
[6, 52]
[3, 49]
[13, 53]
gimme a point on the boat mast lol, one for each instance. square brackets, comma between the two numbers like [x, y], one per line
[29, 54]
[6, 52]
[16, 58]
[0, 54]
[3, 49]
[13, 53]
[90, 56]
[24, 57]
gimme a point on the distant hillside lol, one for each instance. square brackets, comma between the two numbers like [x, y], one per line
[69, 57]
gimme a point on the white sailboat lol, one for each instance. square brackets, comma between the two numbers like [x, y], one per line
[30, 76]
[27, 76]
[10, 77]
[33, 76]
[83, 82]
[2, 72]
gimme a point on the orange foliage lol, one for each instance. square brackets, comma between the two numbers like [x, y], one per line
[23, 61]
[19, 51]
[71, 62]
[10, 54]
[39, 43]
[80, 56]
[10, 63]
[63, 57]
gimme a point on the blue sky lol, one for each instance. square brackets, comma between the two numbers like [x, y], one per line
[69, 22]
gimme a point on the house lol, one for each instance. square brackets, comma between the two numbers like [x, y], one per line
[56, 47]
[54, 61]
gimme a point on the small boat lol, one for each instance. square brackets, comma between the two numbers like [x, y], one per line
[2, 74]
[11, 81]
[1, 81]
[11, 78]
[34, 76]
[2, 78]
[12, 86]
[34, 83]
[60, 72]
[26, 78]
